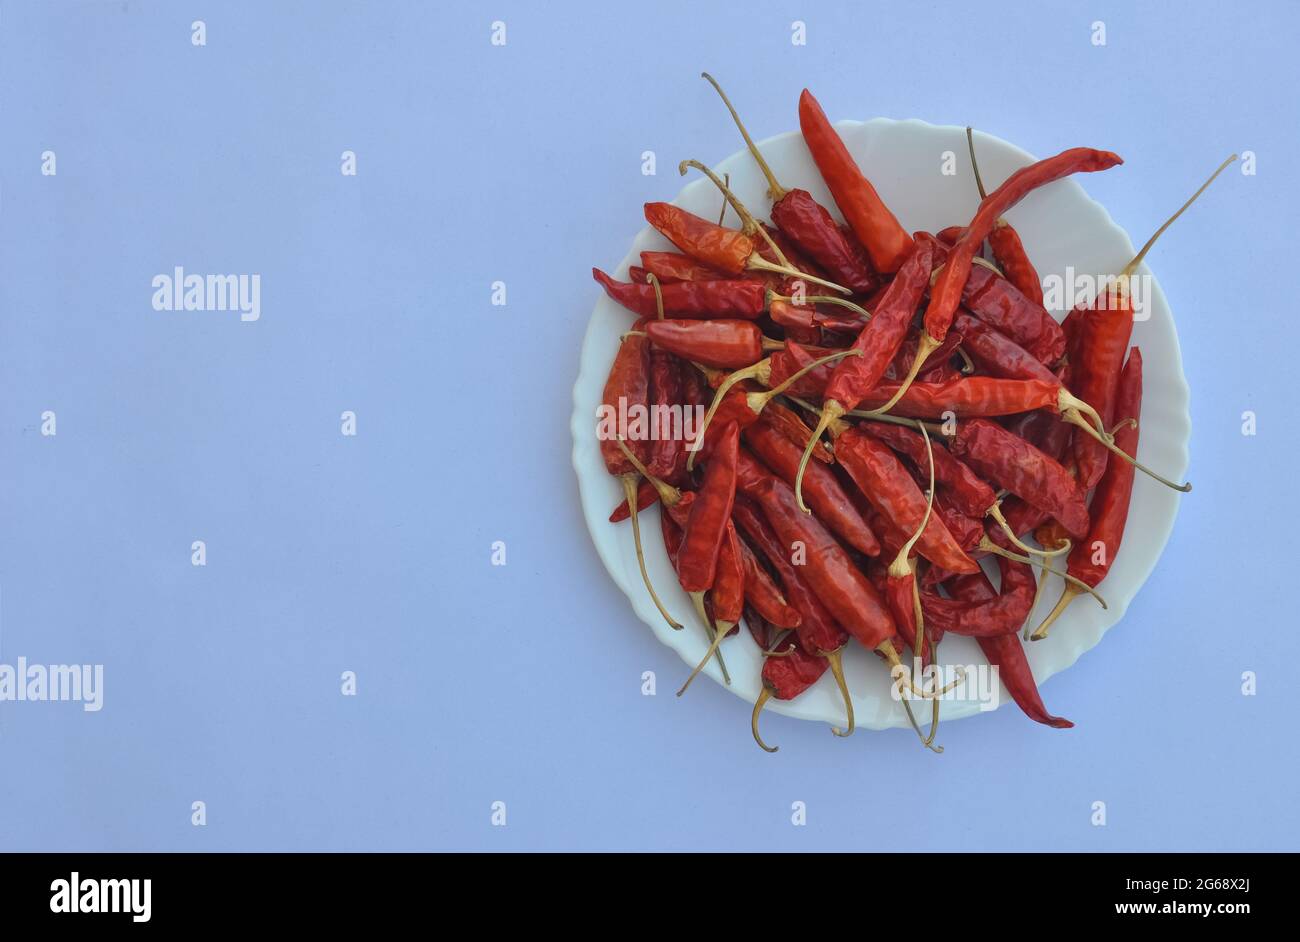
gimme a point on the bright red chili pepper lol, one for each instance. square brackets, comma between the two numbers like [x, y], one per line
[1101, 341]
[725, 344]
[1001, 615]
[890, 489]
[698, 300]
[947, 290]
[1006, 653]
[1091, 559]
[970, 396]
[1009, 252]
[727, 594]
[764, 594]
[825, 495]
[1010, 462]
[670, 267]
[727, 250]
[969, 492]
[787, 422]
[886, 242]
[995, 353]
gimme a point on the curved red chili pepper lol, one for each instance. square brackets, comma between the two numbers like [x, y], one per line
[671, 267]
[702, 537]
[886, 242]
[1002, 615]
[725, 344]
[996, 354]
[628, 385]
[811, 227]
[823, 490]
[698, 300]
[1010, 462]
[724, 249]
[764, 594]
[947, 290]
[969, 492]
[890, 489]
[1007, 654]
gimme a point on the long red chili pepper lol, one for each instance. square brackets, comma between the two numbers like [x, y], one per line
[950, 284]
[885, 240]
[1091, 559]
[1011, 462]
[971, 494]
[818, 632]
[1102, 341]
[763, 594]
[879, 340]
[698, 300]
[666, 452]
[727, 344]
[890, 489]
[807, 222]
[1008, 250]
[827, 498]
[1002, 615]
[1006, 653]
[670, 267]
[997, 354]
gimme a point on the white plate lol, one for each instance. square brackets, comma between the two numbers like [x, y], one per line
[1061, 226]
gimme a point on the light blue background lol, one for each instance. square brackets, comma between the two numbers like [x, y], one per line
[371, 554]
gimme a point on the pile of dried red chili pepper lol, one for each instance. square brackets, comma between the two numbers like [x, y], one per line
[963, 420]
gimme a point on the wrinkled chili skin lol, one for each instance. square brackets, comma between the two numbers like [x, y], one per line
[818, 630]
[1009, 252]
[821, 489]
[665, 392]
[807, 317]
[879, 340]
[706, 527]
[1110, 501]
[791, 675]
[628, 382]
[727, 250]
[697, 300]
[969, 492]
[897, 592]
[890, 489]
[1007, 654]
[792, 427]
[1004, 614]
[1008, 461]
[646, 495]
[968, 397]
[673, 266]
[947, 290]
[887, 243]
[996, 354]
[762, 593]
[1100, 342]
[835, 579]
[811, 227]
[997, 302]
[794, 357]
[727, 595]
[723, 344]
[936, 366]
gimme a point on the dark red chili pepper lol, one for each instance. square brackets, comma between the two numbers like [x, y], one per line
[698, 300]
[727, 594]
[785, 678]
[1010, 462]
[667, 451]
[995, 353]
[788, 423]
[947, 290]
[936, 366]
[763, 594]
[1006, 653]
[969, 492]
[726, 344]
[1002, 615]
[969, 396]
[886, 242]
[795, 357]
[825, 495]
[890, 489]
[830, 573]
[707, 524]
[1090, 560]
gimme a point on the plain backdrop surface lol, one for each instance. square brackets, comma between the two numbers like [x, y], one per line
[522, 684]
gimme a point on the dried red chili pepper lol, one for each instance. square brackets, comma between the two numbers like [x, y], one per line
[670, 267]
[785, 678]
[763, 594]
[666, 452]
[971, 494]
[1008, 250]
[1091, 559]
[886, 242]
[698, 300]
[995, 353]
[890, 489]
[825, 495]
[788, 423]
[1001, 615]
[626, 387]
[726, 344]
[878, 341]
[1006, 653]
[807, 223]
[950, 284]
[1010, 462]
